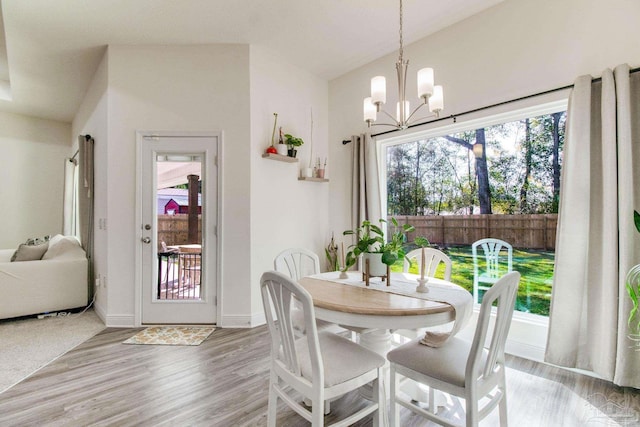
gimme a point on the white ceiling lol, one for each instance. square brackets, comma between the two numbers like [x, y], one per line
[54, 46]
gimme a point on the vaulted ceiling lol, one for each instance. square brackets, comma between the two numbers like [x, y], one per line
[53, 47]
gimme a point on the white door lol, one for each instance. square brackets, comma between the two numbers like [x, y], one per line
[177, 207]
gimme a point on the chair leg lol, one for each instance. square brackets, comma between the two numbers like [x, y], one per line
[317, 413]
[379, 398]
[432, 400]
[394, 415]
[472, 411]
[273, 401]
[502, 406]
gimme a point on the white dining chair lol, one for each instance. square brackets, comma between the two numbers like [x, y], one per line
[320, 366]
[432, 259]
[473, 370]
[297, 263]
[487, 267]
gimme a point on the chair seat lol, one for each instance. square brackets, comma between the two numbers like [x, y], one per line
[343, 359]
[446, 363]
[488, 278]
[297, 318]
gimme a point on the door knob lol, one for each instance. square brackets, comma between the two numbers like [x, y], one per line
[146, 240]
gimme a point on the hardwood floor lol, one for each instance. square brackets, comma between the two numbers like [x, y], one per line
[223, 382]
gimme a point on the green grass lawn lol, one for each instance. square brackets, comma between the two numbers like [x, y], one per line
[536, 268]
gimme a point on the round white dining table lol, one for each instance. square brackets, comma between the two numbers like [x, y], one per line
[374, 310]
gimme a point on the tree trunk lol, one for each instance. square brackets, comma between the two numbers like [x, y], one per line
[527, 168]
[484, 192]
[556, 161]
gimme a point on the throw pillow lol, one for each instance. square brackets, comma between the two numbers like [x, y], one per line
[59, 247]
[30, 252]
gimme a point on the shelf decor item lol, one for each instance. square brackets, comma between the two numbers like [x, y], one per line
[308, 172]
[281, 147]
[272, 149]
[292, 142]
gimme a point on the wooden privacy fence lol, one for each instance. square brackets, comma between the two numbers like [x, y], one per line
[521, 231]
[174, 229]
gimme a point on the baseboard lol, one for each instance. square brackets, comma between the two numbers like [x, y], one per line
[120, 321]
[524, 350]
[100, 311]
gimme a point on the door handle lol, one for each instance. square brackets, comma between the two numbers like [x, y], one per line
[146, 240]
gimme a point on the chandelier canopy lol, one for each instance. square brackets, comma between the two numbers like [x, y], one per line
[428, 93]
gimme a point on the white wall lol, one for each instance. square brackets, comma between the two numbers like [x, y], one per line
[517, 48]
[32, 176]
[91, 119]
[162, 88]
[285, 212]
[179, 88]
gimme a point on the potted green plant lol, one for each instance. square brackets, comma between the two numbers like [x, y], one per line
[633, 284]
[372, 245]
[292, 142]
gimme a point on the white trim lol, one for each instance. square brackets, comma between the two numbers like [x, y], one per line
[237, 321]
[208, 228]
[120, 321]
[461, 125]
[528, 333]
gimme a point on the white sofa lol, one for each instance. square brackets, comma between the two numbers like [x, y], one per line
[57, 282]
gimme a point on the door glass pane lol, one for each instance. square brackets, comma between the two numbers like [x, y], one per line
[179, 226]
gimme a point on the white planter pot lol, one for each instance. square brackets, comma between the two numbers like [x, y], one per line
[376, 266]
[282, 149]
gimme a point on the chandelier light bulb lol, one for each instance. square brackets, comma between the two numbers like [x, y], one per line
[425, 83]
[369, 110]
[436, 102]
[379, 90]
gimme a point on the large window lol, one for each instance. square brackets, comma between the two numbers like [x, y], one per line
[491, 179]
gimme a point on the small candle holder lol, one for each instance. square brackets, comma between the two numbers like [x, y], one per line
[422, 288]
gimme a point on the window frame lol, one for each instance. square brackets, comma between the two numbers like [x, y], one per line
[489, 118]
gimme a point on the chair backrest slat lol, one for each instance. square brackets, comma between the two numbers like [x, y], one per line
[433, 257]
[504, 293]
[493, 251]
[278, 292]
[297, 263]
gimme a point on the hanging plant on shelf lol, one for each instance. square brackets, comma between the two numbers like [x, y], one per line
[292, 142]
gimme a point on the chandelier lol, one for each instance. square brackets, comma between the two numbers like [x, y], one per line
[428, 94]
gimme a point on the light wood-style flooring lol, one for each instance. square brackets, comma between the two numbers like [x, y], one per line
[223, 382]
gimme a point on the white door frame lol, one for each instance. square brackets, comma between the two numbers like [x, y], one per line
[140, 137]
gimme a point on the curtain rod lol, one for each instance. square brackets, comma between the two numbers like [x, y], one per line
[475, 110]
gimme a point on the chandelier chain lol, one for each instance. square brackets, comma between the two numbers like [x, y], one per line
[401, 38]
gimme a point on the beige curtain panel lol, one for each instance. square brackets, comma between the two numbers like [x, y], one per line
[597, 242]
[365, 186]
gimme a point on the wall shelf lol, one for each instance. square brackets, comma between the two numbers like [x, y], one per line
[302, 178]
[280, 158]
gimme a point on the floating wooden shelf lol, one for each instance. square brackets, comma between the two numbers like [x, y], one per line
[280, 158]
[302, 178]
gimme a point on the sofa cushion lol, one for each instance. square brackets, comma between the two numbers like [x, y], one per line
[30, 252]
[64, 247]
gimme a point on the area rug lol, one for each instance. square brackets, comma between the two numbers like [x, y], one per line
[28, 344]
[171, 335]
